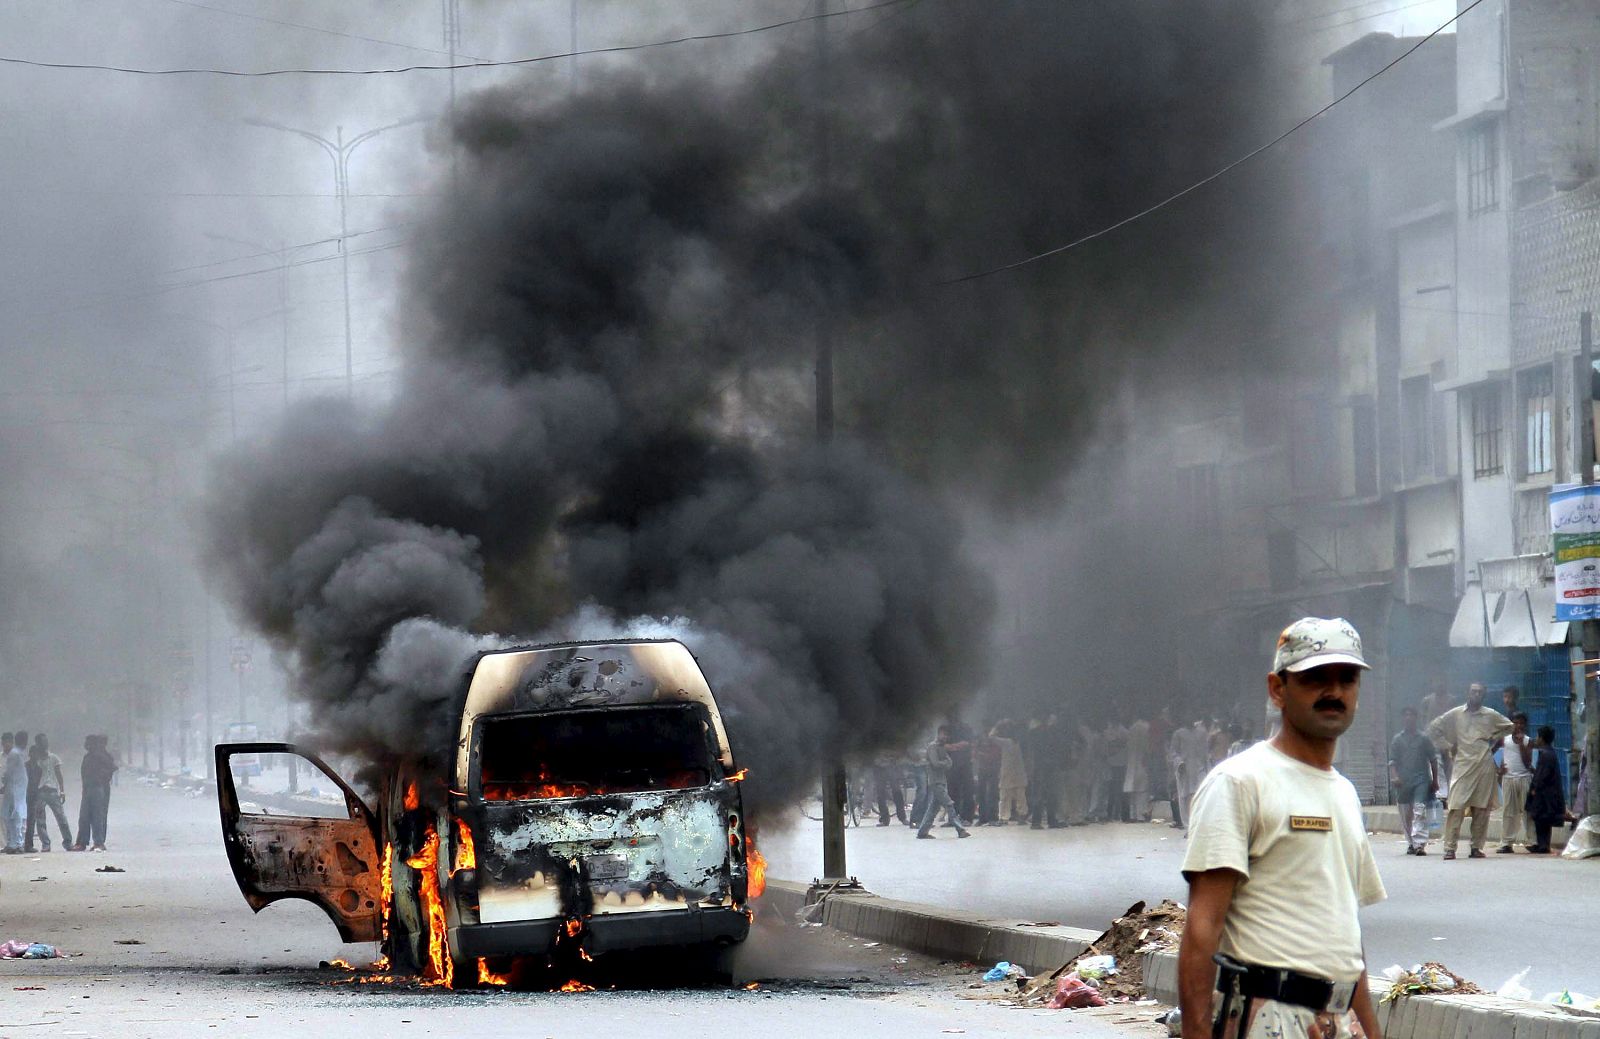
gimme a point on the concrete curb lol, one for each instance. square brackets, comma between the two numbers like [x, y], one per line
[952, 934]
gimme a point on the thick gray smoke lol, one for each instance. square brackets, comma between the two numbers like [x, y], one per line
[605, 415]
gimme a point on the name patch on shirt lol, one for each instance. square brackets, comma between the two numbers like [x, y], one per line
[1314, 823]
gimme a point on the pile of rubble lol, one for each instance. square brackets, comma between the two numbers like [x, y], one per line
[1135, 933]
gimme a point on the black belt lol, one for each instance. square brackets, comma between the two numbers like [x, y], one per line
[1286, 986]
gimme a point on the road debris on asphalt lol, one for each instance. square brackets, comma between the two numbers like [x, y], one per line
[1135, 933]
[110, 869]
[22, 949]
[1003, 971]
[1073, 993]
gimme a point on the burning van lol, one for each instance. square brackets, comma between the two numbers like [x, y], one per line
[592, 803]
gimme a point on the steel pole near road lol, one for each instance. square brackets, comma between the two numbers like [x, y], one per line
[1591, 628]
[834, 867]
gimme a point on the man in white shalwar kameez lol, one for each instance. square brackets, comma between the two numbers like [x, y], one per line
[1465, 737]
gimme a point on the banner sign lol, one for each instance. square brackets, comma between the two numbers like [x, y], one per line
[1575, 537]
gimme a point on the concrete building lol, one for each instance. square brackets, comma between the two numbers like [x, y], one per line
[1527, 262]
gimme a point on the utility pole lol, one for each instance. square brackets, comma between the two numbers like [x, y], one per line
[834, 783]
[452, 43]
[572, 48]
[340, 150]
[1591, 628]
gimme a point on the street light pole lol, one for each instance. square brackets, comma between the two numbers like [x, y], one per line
[340, 150]
[835, 781]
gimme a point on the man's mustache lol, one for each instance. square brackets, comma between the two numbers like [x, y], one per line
[1328, 704]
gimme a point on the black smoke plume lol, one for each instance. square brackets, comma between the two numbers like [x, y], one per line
[605, 417]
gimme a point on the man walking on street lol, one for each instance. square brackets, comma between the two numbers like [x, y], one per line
[938, 787]
[1278, 863]
[1466, 737]
[14, 772]
[886, 783]
[1516, 775]
[1414, 773]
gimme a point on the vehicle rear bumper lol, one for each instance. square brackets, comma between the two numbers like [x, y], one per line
[610, 933]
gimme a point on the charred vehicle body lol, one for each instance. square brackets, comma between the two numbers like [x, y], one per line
[590, 800]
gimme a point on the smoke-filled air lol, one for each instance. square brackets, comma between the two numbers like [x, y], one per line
[606, 419]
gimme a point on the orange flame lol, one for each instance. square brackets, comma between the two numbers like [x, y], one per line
[466, 854]
[575, 986]
[341, 964]
[426, 863]
[489, 977]
[757, 865]
[386, 878]
[738, 777]
[412, 800]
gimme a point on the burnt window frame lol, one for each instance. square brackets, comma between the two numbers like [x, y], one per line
[715, 770]
[1486, 414]
[1482, 144]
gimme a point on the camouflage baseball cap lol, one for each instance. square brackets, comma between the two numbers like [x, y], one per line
[1314, 641]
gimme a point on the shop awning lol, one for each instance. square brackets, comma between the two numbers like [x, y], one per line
[1516, 617]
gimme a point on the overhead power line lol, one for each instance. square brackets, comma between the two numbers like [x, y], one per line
[618, 49]
[311, 28]
[1213, 177]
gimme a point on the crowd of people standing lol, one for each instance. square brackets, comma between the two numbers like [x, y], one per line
[1045, 773]
[33, 788]
[1476, 760]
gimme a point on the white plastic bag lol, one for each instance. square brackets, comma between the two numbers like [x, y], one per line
[1514, 987]
[1584, 843]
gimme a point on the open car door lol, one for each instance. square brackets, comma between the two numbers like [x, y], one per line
[293, 829]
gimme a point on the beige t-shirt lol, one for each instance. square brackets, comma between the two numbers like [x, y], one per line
[1296, 834]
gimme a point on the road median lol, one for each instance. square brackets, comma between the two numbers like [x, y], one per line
[1042, 946]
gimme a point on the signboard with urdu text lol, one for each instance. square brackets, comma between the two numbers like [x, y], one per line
[1575, 537]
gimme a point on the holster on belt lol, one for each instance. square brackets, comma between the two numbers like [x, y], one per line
[1230, 973]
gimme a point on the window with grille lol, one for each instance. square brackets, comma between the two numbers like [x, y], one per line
[1483, 168]
[1488, 429]
[1538, 406]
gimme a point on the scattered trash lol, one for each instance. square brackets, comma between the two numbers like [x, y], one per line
[1584, 841]
[1173, 1019]
[38, 880]
[953, 1031]
[110, 869]
[1073, 993]
[1093, 968]
[1122, 946]
[1040, 923]
[18, 949]
[129, 941]
[1514, 988]
[1003, 970]
[1425, 978]
[1568, 998]
[27, 988]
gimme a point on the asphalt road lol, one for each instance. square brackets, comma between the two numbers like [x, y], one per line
[1485, 919]
[168, 949]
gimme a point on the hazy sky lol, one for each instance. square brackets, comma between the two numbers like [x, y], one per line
[170, 275]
